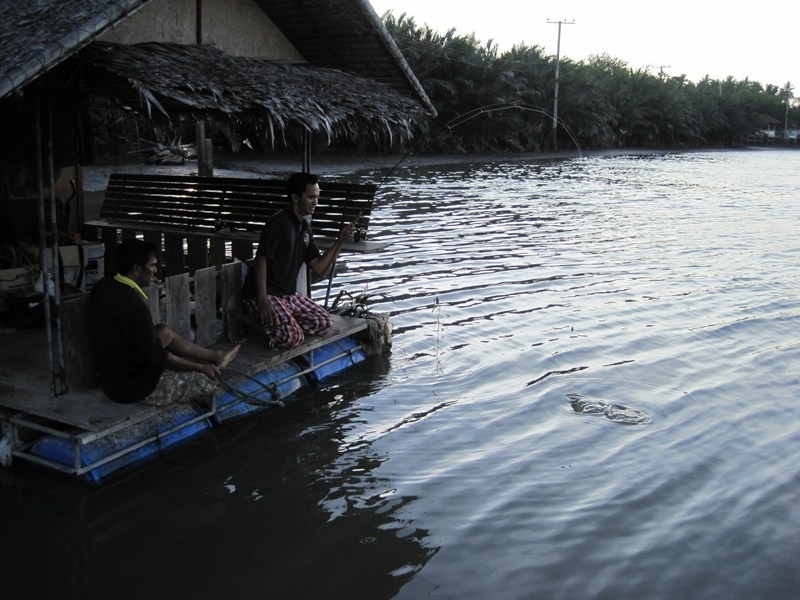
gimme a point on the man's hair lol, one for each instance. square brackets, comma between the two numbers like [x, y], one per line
[298, 183]
[134, 252]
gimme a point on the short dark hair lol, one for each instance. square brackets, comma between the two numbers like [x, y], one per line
[298, 183]
[134, 252]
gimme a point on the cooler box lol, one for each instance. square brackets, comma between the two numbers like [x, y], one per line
[94, 263]
[93, 266]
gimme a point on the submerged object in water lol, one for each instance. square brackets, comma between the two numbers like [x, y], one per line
[611, 411]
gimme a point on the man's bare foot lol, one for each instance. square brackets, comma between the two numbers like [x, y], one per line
[225, 357]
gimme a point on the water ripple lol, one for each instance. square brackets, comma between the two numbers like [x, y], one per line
[667, 284]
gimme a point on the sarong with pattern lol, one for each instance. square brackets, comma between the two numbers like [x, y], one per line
[180, 387]
[298, 315]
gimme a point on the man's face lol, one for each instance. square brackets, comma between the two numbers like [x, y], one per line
[145, 275]
[305, 203]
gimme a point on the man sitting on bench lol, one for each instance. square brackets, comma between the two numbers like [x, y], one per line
[137, 360]
[269, 295]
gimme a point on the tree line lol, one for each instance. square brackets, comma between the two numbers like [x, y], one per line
[490, 101]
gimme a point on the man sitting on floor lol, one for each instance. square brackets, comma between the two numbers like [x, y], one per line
[136, 359]
[269, 293]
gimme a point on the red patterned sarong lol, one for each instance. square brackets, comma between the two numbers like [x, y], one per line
[298, 316]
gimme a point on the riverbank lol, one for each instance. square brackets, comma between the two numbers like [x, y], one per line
[249, 163]
[244, 164]
[254, 164]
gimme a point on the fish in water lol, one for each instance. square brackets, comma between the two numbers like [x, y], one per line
[611, 411]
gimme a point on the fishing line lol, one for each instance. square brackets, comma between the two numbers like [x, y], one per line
[501, 106]
[477, 112]
[246, 397]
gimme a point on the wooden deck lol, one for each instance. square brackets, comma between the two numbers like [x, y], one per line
[25, 387]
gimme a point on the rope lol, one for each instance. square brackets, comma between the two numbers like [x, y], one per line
[246, 397]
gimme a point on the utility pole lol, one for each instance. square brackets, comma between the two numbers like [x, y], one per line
[661, 73]
[786, 123]
[558, 66]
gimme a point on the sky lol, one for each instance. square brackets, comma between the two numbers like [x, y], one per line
[681, 37]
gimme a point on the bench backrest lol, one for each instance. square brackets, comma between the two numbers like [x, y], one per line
[204, 214]
[206, 204]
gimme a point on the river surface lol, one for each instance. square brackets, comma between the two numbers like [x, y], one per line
[594, 392]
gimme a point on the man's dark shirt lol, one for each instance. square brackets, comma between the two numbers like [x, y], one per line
[127, 349]
[287, 243]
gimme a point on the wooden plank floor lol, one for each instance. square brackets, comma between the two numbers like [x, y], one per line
[256, 356]
[25, 379]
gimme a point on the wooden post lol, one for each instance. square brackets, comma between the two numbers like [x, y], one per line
[306, 151]
[205, 162]
[231, 279]
[205, 305]
[179, 314]
[209, 155]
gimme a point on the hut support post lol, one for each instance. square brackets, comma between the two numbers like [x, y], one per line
[205, 161]
[59, 380]
[306, 151]
[43, 243]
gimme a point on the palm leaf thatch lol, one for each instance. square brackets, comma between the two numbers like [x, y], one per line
[174, 80]
[36, 35]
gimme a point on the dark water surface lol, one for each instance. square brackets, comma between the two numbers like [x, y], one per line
[594, 392]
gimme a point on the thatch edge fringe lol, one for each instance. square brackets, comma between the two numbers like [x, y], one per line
[203, 80]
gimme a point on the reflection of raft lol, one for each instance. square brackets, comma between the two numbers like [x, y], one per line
[87, 435]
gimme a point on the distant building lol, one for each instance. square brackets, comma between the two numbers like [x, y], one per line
[768, 126]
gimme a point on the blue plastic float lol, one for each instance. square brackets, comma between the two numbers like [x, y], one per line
[95, 460]
[99, 458]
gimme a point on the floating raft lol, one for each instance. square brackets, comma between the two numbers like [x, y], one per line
[87, 435]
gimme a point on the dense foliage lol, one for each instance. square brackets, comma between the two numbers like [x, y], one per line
[490, 101]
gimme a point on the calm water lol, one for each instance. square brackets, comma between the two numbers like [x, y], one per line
[458, 467]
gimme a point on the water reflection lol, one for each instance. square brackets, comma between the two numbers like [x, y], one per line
[278, 505]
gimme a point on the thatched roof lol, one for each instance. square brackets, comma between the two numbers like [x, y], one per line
[175, 79]
[36, 35]
[347, 35]
[347, 48]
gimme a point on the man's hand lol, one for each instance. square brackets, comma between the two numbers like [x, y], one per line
[209, 370]
[348, 232]
[267, 314]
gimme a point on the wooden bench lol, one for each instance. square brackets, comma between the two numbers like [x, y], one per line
[208, 221]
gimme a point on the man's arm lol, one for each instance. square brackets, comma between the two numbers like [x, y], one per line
[322, 266]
